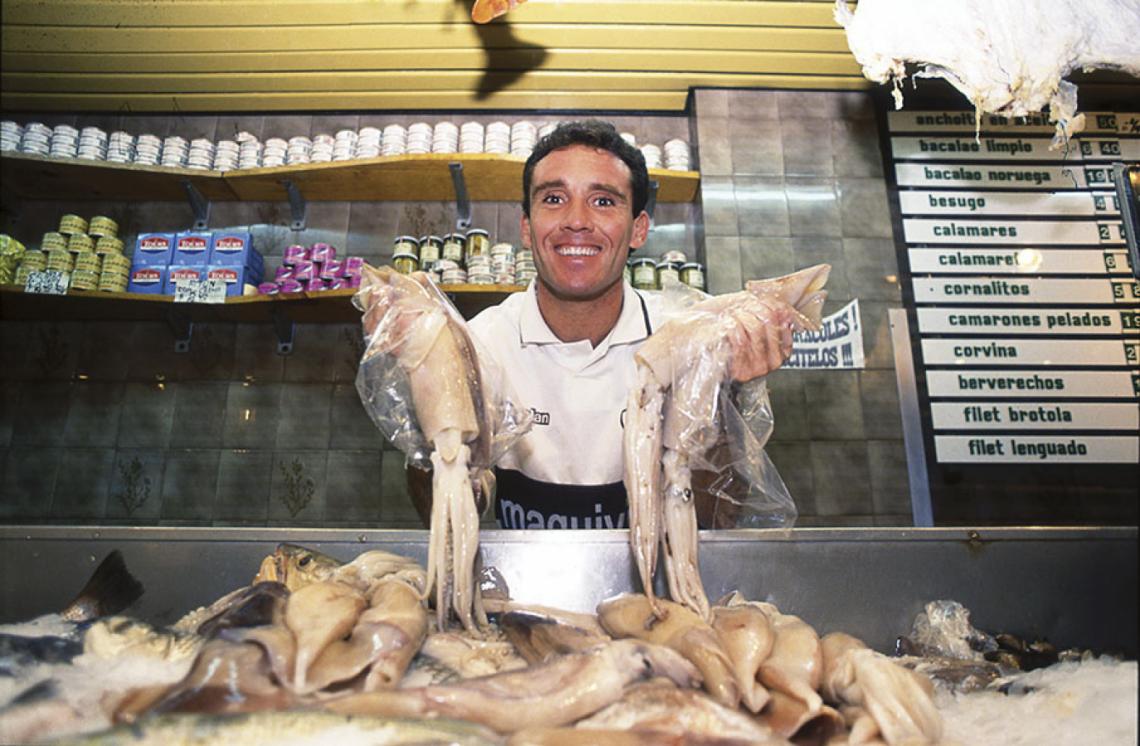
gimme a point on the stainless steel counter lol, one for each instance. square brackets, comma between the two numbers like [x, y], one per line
[1074, 587]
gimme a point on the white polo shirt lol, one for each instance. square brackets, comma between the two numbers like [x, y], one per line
[577, 393]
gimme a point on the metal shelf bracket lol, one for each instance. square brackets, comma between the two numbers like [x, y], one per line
[284, 328]
[199, 204]
[462, 201]
[181, 327]
[297, 206]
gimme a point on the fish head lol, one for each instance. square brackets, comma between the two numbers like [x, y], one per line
[295, 566]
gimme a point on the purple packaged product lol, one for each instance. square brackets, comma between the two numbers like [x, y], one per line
[283, 273]
[181, 273]
[352, 266]
[147, 280]
[268, 288]
[236, 278]
[305, 270]
[191, 249]
[290, 286]
[331, 269]
[322, 252]
[294, 254]
[153, 250]
[315, 285]
[351, 282]
[336, 284]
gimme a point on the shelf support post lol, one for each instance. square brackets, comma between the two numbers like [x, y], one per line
[651, 203]
[297, 205]
[199, 204]
[284, 327]
[181, 327]
[462, 201]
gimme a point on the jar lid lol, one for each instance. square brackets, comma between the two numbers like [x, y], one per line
[413, 239]
[436, 239]
[478, 232]
[691, 265]
[642, 262]
[405, 255]
[455, 237]
[668, 265]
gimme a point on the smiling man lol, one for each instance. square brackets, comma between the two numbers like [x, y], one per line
[567, 343]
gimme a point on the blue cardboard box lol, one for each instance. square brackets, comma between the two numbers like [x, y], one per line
[178, 273]
[148, 280]
[236, 278]
[191, 249]
[153, 250]
[235, 249]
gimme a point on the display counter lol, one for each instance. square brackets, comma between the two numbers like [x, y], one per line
[1075, 587]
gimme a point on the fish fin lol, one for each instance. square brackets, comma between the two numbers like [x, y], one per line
[110, 589]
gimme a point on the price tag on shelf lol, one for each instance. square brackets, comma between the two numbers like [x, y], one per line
[193, 291]
[47, 282]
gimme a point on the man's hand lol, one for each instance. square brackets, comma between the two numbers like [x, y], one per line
[761, 341]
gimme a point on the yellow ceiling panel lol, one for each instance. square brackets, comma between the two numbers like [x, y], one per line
[241, 55]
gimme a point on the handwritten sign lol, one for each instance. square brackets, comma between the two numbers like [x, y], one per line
[193, 291]
[837, 345]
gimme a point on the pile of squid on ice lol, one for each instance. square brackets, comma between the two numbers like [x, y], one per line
[319, 651]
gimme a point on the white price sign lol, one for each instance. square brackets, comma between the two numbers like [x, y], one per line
[952, 230]
[1002, 176]
[1073, 353]
[1037, 415]
[1008, 384]
[193, 291]
[1004, 291]
[1051, 321]
[930, 202]
[1027, 261]
[47, 282]
[1036, 449]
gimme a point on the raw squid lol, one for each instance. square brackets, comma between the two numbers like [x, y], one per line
[443, 374]
[671, 416]
[897, 700]
[555, 693]
[673, 625]
[746, 634]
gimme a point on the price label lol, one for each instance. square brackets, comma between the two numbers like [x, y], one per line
[193, 291]
[47, 282]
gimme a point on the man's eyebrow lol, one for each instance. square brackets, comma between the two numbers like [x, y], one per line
[595, 187]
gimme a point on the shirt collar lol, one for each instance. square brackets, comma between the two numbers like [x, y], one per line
[631, 324]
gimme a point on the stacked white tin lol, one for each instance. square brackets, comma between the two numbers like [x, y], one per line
[92, 144]
[445, 138]
[368, 143]
[121, 147]
[419, 138]
[393, 140]
[10, 134]
[471, 138]
[249, 150]
[174, 152]
[497, 138]
[273, 152]
[677, 156]
[524, 135]
[298, 150]
[322, 149]
[147, 149]
[344, 145]
[201, 154]
[64, 142]
[226, 155]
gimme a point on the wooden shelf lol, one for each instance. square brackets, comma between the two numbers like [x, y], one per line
[412, 178]
[328, 307]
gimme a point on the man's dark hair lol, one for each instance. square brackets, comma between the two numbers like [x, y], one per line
[596, 134]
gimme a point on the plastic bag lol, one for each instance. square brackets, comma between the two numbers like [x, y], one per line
[422, 371]
[720, 426]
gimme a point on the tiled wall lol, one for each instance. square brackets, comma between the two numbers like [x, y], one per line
[790, 179]
[105, 423]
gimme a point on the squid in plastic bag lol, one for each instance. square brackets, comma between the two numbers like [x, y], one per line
[424, 384]
[681, 418]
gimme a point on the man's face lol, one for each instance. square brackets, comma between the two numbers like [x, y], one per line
[581, 226]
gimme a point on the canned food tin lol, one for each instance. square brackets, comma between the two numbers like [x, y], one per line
[405, 263]
[116, 263]
[322, 252]
[109, 245]
[644, 274]
[101, 225]
[693, 275]
[406, 245]
[668, 273]
[79, 242]
[294, 254]
[453, 277]
[63, 261]
[53, 240]
[674, 256]
[72, 224]
[454, 245]
[88, 262]
[332, 269]
[84, 279]
[503, 249]
[34, 260]
[112, 283]
[478, 244]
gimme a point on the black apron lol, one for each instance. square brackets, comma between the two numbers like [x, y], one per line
[522, 502]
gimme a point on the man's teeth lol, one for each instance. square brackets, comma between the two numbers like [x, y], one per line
[578, 250]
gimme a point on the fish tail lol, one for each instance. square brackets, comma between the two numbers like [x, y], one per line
[110, 589]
